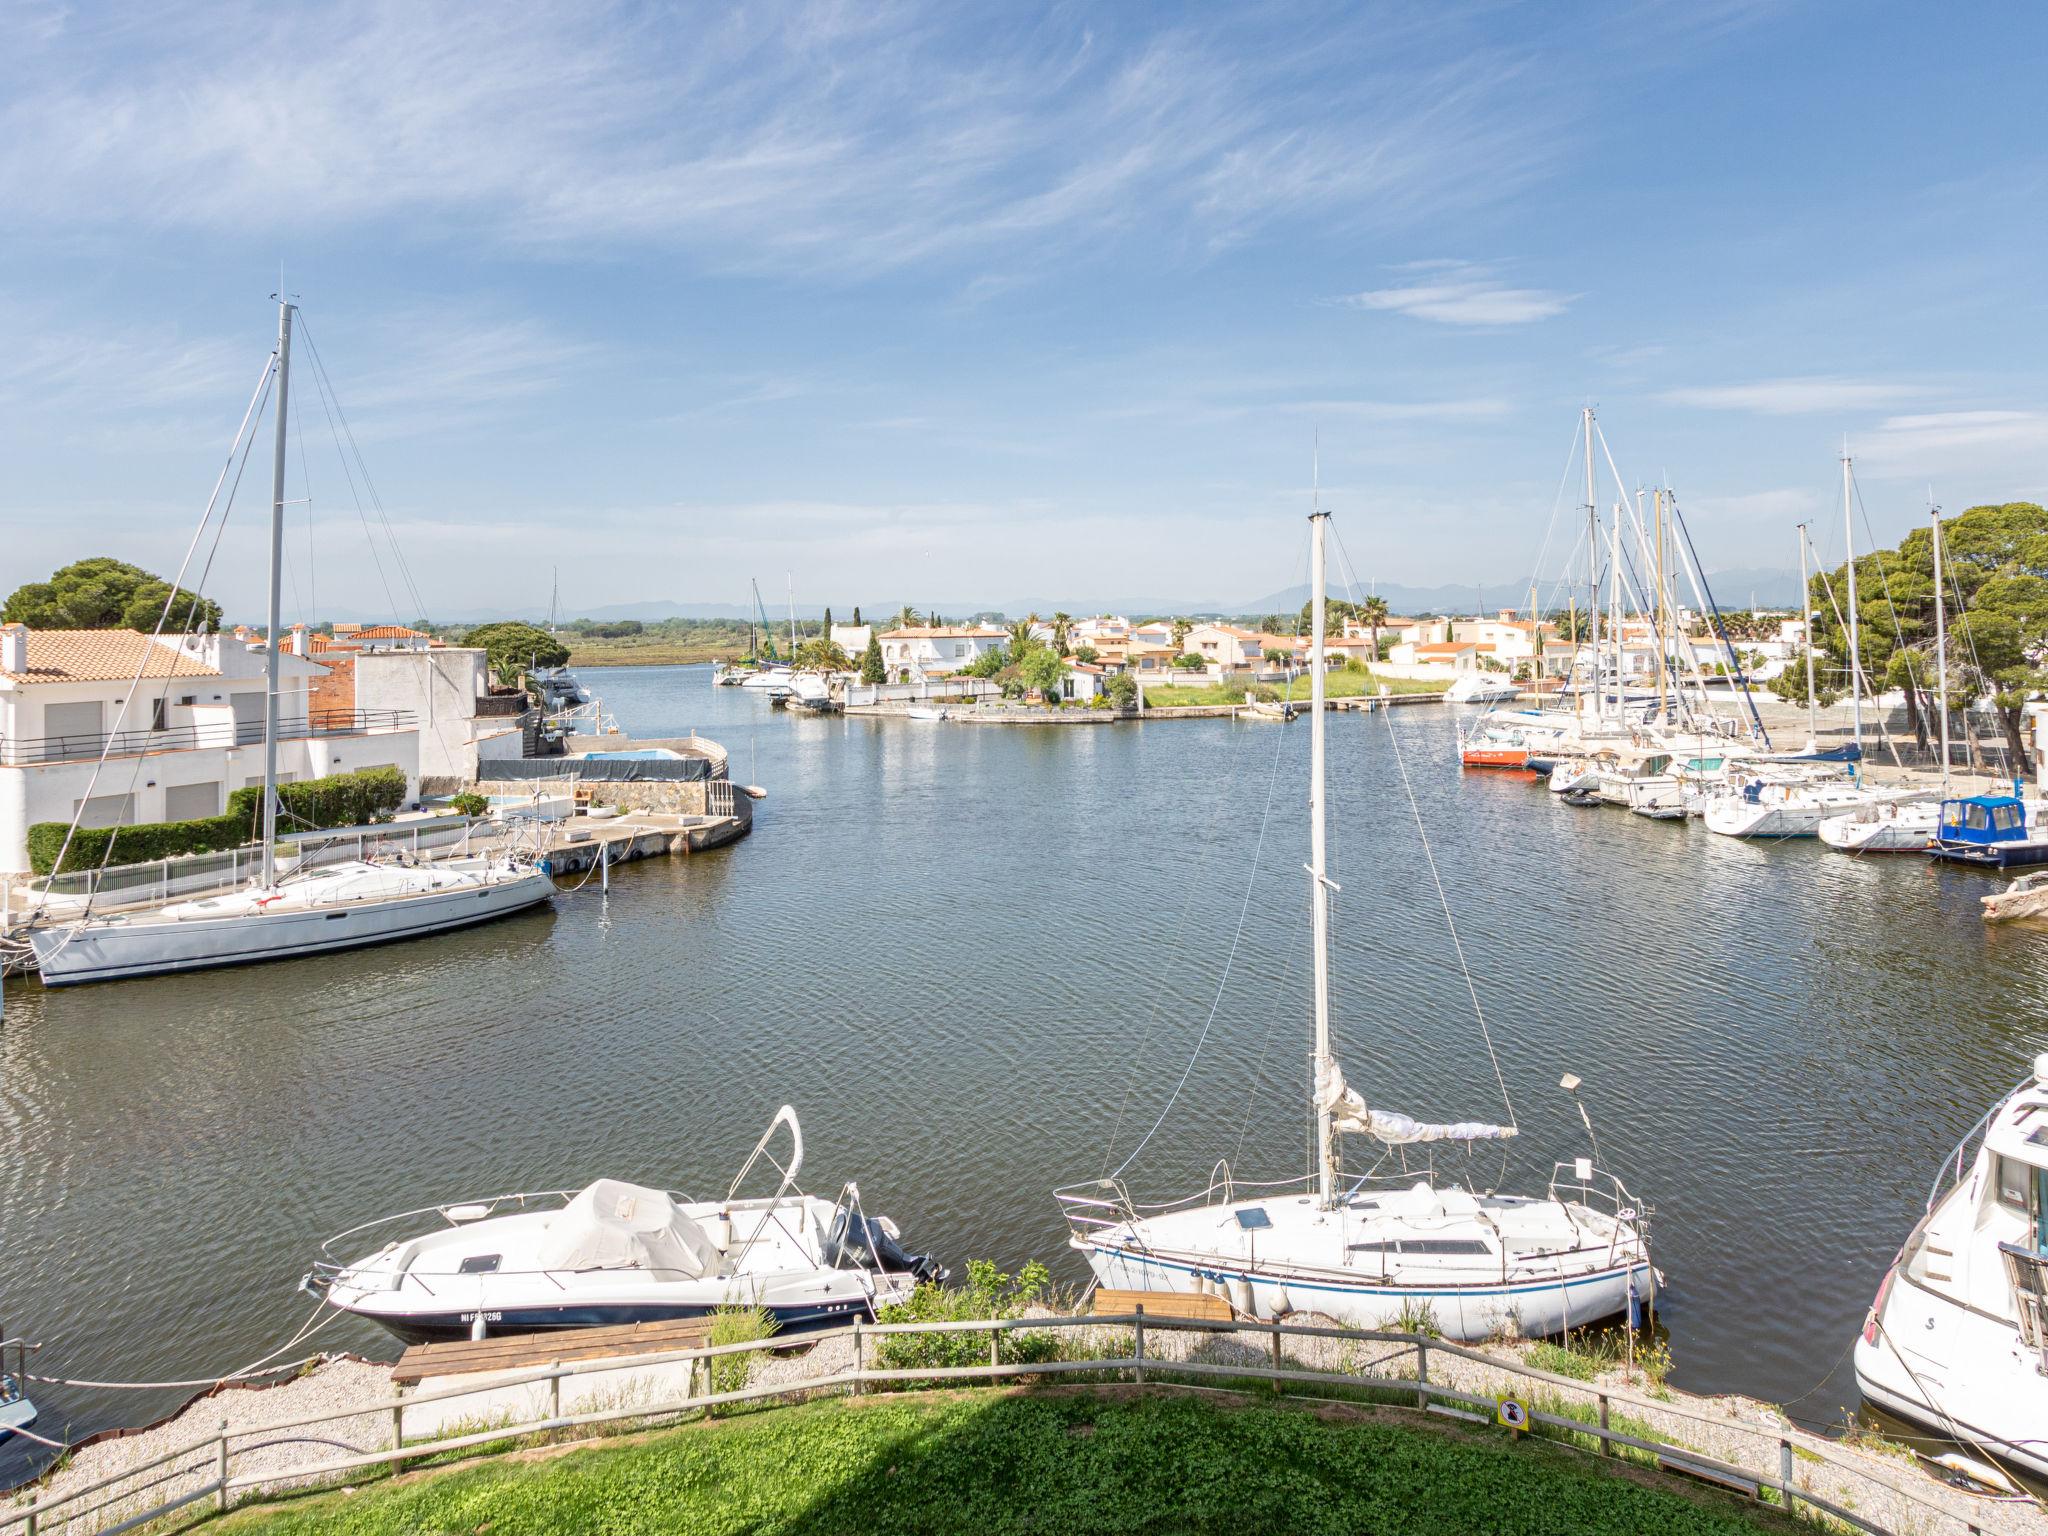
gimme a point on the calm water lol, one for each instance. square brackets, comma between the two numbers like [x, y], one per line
[976, 957]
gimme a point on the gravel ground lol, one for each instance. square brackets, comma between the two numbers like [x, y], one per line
[1889, 1489]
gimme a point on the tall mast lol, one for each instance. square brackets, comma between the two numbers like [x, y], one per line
[1855, 632]
[1806, 637]
[1592, 569]
[270, 666]
[1662, 611]
[790, 577]
[1614, 614]
[1318, 870]
[1940, 642]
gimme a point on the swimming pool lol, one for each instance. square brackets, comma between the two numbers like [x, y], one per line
[638, 753]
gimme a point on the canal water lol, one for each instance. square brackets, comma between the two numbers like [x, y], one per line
[983, 962]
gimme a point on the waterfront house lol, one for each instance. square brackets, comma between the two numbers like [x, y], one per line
[914, 654]
[1226, 647]
[1083, 682]
[852, 638]
[118, 727]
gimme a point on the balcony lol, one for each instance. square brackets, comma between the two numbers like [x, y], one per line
[35, 750]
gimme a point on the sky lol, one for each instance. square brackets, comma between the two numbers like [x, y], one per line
[952, 304]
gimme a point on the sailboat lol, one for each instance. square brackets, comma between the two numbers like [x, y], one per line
[338, 906]
[1365, 1251]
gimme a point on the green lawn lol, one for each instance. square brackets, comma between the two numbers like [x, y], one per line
[1062, 1462]
[1341, 684]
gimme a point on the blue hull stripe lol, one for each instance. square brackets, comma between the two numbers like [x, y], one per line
[1374, 1290]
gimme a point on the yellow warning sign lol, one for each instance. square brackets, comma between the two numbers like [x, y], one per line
[1511, 1413]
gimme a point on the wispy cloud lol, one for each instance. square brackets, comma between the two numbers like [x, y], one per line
[1987, 440]
[1461, 293]
[1797, 396]
[808, 135]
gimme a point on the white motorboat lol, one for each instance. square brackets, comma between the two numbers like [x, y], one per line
[615, 1252]
[925, 712]
[1267, 710]
[1372, 1251]
[342, 906]
[810, 691]
[16, 1411]
[1957, 1339]
[775, 682]
[1889, 827]
[1481, 688]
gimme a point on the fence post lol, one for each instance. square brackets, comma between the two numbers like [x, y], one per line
[1138, 1351]
[1606, 1445]
[860, 1357]
[220, 1497]
[995, 1345]
[397, 1437]
[555, 1390]
[1785, 1471]
[1422, 1373]
[1277, 1387]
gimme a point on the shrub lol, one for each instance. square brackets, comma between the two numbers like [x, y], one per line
[988, 1293]
[737, 1325]
[1122, 690]
[469, 803]
[341, 800]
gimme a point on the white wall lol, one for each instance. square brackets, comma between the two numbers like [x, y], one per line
[440, 688]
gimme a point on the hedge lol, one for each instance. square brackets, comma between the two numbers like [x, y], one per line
[342, 800]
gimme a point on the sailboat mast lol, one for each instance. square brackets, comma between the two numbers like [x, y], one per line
[270, 663]
[1940, 643]
[1806, 633]
[1318, 869]
[1592, 570]
[1855, 631]
[790, 577]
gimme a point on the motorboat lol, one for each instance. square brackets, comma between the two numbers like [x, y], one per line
[1990, 831]
[1368, 1249]
[1583, 796]
[730, 674]
[1481, 688]
[316, 911]
[810, 691]
[925, 712]
[775, 682]
[16, 1410]
[1262, 709]
[614, 1252]
[1957, 1339]
[2025, 897]
[1889, 827]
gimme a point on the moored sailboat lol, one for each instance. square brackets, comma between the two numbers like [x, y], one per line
[1370, 1251]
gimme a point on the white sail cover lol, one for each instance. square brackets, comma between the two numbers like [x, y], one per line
[1349, 1113]
[615, 1225]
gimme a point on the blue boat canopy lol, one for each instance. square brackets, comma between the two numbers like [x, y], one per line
[1983, 819]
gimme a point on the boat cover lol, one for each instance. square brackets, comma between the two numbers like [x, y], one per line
[615, 1225]
[1349, 1113]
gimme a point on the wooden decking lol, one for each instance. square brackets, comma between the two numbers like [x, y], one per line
[1195, 1309]
[524, 1351]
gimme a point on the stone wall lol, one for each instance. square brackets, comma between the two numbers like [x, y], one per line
[671, 796]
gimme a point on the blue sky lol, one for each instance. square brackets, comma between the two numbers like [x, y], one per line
[960, 304]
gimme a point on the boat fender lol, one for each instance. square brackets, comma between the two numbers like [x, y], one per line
[478, 1327]
[1241, 1300]
[1278, 1303]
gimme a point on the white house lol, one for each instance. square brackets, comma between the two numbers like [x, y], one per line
[917, 653]
[1083, 681]
[119, 727]
[1225, 647]
[446, 690]
[852, 638]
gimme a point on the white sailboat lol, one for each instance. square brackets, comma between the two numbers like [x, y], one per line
[1368, 1251]
[339, 906]
[1957, 1338]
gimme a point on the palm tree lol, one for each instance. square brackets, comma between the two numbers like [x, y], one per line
[1180, 634]
[1062, 628]
[906, 617]
[1374, 611]
[1020, 637]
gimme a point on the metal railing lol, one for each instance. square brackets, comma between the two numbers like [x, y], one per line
[89, 746]
[205, 1469]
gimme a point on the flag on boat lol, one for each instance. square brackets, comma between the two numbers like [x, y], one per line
[1349, 1113]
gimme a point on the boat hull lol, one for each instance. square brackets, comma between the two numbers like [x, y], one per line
[446, 1327]
[120, 951]
[1465, 1313]
[1494, 757]
[1992, 855]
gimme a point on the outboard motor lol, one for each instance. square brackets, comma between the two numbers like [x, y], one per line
[870, 1241]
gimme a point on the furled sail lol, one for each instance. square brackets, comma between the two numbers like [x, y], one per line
[1350, 1114]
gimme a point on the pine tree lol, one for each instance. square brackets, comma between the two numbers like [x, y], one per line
[871, 670]
[856, 615]
[826, 632]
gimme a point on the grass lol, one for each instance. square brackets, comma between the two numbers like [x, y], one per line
[1061, 1461]
[1585, 1354]
[1343, 683]
[653, 650]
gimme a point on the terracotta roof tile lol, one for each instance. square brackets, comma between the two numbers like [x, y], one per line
[101, 656]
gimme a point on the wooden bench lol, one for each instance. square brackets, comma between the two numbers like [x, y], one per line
[528, 1351]
[1189, 1307]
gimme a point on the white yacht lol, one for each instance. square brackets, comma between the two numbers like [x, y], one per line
[1481, 688]
[1368, 1251]
[1890, 827]
[1957, 1339]
[615, 1252]
[309, 912]
[775, 681]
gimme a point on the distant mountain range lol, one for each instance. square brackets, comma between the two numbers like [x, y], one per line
[1733, 589]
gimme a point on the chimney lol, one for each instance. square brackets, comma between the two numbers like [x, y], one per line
[13, 647]
[296, 642]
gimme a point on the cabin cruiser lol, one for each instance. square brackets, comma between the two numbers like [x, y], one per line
[615, 1252]
[1991, 831]
[1957, 1339]
[1481, 688]
[808, 691]
[776, 682]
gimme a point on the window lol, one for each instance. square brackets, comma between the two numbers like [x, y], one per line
[1440, 1245]
[159, 714]
[1975, 819]
[189, 802]
[105, 811]
[2013, 1178]
[2005, 817]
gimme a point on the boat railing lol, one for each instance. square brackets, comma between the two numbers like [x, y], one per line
[1950, 1173]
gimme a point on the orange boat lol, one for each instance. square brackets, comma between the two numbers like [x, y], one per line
[1494, 755]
